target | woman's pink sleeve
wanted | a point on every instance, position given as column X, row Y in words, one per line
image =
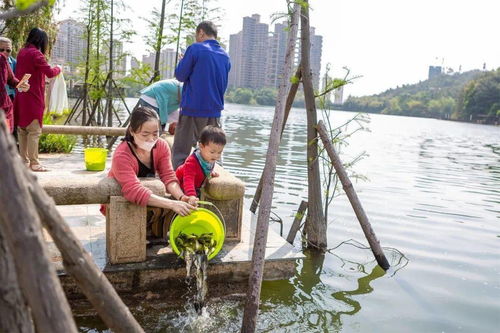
column 44, row 67
column 164, row 165
column 125, row 174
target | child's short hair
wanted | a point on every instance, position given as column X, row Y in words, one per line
column 212, row 134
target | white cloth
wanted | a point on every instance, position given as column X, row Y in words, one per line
column 58, row 97
column 149, row 100
column 173, row 117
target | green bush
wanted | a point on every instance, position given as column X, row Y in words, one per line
column 55, row 143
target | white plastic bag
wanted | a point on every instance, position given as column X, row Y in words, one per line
column 58, row 97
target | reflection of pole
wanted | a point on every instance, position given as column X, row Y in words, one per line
column 353, row 198
column 179, row 35
column 156, row 73
column 110, row 77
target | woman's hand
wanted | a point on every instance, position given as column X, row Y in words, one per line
column 214, row 174
column 182, row 208
column 23, row 87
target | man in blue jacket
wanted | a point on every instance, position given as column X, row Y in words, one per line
column 204, row 70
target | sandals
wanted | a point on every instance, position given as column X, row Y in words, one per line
column 38, row 168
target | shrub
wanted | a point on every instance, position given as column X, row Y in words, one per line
column 55, row 143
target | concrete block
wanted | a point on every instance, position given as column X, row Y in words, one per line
column 232, row 211
column 125, row 231
column 225, row 187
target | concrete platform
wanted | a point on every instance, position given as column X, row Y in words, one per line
column 163, row 269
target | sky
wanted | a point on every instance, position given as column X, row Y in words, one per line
column 387, row 43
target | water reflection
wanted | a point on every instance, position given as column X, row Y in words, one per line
column 363, row 288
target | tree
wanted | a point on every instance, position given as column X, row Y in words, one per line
column 17, row 28
column 481, row 96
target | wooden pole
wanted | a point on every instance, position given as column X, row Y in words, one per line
column 315, row 227
column 15, row 316
column 159, row 42
column 178, row 36
column 109, row 101
column 259, row 247
column 288, row 105
column 79, row 264
column 353, row 198
column 21, row 227
column 296, row 222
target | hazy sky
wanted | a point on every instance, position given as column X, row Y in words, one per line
column 388, row 42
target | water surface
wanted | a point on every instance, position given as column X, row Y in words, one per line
column 433, row 198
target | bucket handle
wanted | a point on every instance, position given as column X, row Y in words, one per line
column 208, row 203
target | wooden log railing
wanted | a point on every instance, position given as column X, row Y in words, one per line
column 83, row 130
column 90, row 190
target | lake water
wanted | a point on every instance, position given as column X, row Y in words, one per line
column 432, row 195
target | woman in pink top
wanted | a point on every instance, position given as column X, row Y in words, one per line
column 141, row 154
column 29, row 106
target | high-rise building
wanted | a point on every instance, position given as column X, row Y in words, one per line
column 258, row 57
column 70, row 44
column 276, row 55
column 249, row 51
column 119, row 58
column 167, row 62
column 315, row 57
column 235, row 54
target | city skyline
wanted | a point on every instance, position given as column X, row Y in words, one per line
column 258, row 54
column 388, row 42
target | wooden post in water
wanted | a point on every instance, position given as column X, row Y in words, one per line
column 353, row 198
column 315, row 227
column 288, row 105
column 21, row 227
column 259, row 247
column 15, row 316
column 296, row 222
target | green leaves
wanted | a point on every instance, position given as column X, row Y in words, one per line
column 25, row 4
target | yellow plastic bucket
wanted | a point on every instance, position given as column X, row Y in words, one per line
column 200, row 221
column 95, row 158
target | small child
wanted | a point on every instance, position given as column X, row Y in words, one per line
column 199, row 166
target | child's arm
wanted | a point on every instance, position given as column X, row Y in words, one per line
column 188, row 181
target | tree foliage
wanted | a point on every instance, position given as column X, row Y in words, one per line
column 455, row 96
column 481, row 96
column 17, row 28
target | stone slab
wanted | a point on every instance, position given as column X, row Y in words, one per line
column 125, row 242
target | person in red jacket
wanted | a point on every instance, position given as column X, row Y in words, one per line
column 199, row 166
column 29, row 106
column 7, row 77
